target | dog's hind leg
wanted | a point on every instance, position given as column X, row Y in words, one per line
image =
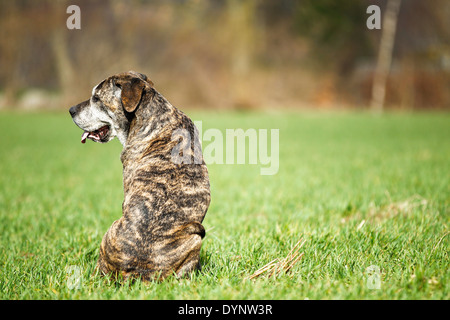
column 188, row 244
column 191, row 259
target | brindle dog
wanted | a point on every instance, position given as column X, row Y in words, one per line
column 160, row 232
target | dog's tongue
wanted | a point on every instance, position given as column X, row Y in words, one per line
column 84, row 136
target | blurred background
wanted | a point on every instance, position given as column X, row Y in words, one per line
column 225, row 54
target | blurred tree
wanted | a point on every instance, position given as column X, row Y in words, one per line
column 385, row 53
column 243, row 36
column 11, row 33
column 336, row 30
column 65, row 68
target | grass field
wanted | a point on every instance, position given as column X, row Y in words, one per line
column 360, row 190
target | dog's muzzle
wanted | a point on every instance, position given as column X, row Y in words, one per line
column 100, row 135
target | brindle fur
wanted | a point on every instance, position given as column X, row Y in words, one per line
column 160, row 232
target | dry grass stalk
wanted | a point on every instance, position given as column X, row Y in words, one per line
column 391, row 210
column 398, row 208
column 278, row 266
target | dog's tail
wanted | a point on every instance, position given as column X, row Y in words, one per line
column 193, row 228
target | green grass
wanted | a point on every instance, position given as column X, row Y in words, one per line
column 361, row 190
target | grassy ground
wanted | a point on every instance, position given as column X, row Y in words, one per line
column 361, row 190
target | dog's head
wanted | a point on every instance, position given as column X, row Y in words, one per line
column 107, row 114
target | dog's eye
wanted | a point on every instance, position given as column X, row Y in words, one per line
column 95, row 99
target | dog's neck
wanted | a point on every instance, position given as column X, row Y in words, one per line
column 151, row 119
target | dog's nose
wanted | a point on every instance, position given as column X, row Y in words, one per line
column 72, row 111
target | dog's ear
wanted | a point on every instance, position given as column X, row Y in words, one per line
column 142, row 76
column 132, row 91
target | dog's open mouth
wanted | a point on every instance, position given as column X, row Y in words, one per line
column 99, row 135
